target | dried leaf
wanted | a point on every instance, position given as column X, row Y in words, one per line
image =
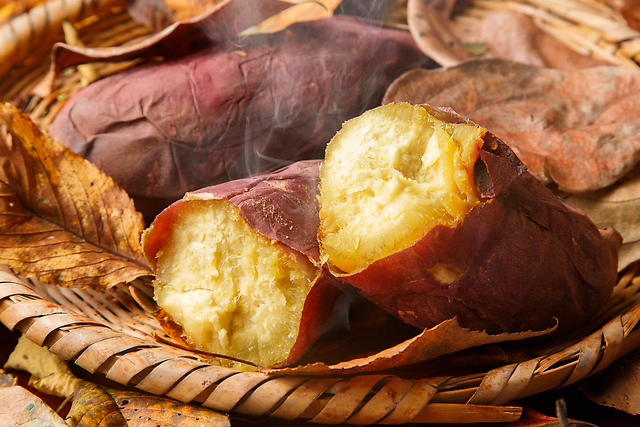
column 450, row 42
column 616, row 386
column 521, row 40
column 617, row 206
column 94, row 405
column 62, row 219
column 434, row 34
column 139, row 409
column 445, row 338
column 36, row 360
column 49, row 373
column 7, row 380
column 302, row 11
column 577, row 128
column 20, row 408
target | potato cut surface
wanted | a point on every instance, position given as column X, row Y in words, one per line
column 232, row 290
column 388, row 177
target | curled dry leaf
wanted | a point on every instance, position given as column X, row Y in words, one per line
column 62, row 218
column 94, row 405
column 617, row 206
column 577, row 128
column 444, row 338
column 449, row 40
column 49, row 373
column 434, row 33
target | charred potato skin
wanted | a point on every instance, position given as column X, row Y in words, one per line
column 521, row 259
column 282, row 206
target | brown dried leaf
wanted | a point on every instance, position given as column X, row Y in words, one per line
column 62, row 218
column 450, row 42
column 616, row 386
column 617, row 206
column 94, row 405
column 7, row 380
column 521, row 40
column 434, row 33
column 38, row 361
column 49, row 373
column 445, row 338
column 139, row 409
column 19, row 408
column 577, row 128
column 216, row 26
column 301, row 11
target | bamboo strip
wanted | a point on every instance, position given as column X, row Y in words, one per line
column 198, row 381
column 303, row 397
column 383, row 402
column 94, row 356
column 26, row 309
column 230, row 391
column 360, row 399
column 74, row 340
column 492, row 385
column 347, row 400
column 267, row 396
column 517, row 382
column 41, row 327
column 410, row 406
column 165, row 375
column 465, row 413
column 129, row 364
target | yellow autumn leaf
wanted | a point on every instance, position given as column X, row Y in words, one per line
column 49, row 373
column 61, row 218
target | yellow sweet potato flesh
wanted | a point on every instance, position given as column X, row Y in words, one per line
column 232, row 290
column 380, row 198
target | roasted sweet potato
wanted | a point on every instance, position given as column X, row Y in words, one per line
column 238, row 268
column 432, row 217
column 230, row 111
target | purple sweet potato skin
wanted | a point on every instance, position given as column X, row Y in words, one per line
column 235, row 110
column 520, row 260
column 282, row 206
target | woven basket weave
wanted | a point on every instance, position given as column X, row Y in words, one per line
column 112, row 333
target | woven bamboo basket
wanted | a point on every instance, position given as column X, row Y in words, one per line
column 112, row 332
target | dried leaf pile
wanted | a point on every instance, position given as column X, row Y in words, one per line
column 573, row 119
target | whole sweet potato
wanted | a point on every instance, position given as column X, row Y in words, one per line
column 234, row 110
column 432, row 217
column 238, row 266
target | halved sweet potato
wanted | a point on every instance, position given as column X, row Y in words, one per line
column 432, row 217
column 237, row 266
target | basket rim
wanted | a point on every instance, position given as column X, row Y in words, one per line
column 127, row 353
